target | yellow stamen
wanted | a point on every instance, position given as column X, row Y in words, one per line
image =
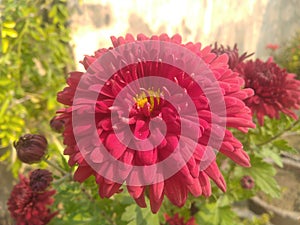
column 142, row 98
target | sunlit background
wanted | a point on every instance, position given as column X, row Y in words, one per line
column 252, row 24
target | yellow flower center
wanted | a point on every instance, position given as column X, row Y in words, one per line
column 148, row 96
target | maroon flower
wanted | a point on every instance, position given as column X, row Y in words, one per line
column 275, row 89
column 176, row 220
column 31, row 148
column 145, row 109
column 233, row 54
column 247, row 182
column 40, row 180
column 28, row 207
column 57, row 125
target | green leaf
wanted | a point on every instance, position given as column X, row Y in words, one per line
column 9, row 24
column 271, row 153
column 5, row 44
column 284, row 146
column 9, row 32
column 263, row 175
column 212, row 214
column 135, row 215
column 4, row 107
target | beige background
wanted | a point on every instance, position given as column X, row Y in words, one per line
column 252, row 24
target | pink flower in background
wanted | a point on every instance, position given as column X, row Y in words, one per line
column 29, row 207
column 272, row 46
column 149, row 105
column 275, row 89
column 176, row 220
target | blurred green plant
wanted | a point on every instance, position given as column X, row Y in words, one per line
column 35, row 58
column 288, row 55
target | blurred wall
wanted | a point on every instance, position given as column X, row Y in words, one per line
column 252, row 24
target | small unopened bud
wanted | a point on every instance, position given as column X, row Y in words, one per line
column 57, row 125
column 31, row 148
column 40, row 180
column 247, row 182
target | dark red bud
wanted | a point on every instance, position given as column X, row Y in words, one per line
column 57, row 125
column 40, row 180
column 31, row 148
column 247, row 182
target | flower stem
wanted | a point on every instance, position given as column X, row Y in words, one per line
column 65, row 177
column 55, row 167
column 279, row 134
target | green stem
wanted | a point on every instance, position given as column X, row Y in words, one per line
column 55, row 167
column 278, row 134
column 65, row 177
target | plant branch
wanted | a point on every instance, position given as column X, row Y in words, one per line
column 279, row 134
column 55, row 167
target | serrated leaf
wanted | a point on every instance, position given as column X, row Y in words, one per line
column 272, row 154
column 129, row 214
column 263, row 175
column 283, row 145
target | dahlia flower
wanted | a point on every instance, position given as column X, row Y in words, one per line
column 233, row 54
column 151, row 113
column 175, row 220
column 28, row 207
column 31, row 148
column 275, row 89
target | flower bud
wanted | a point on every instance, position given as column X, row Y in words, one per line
column 31, row 148
column 57, row 125
column 247, row 182
column 40, row 180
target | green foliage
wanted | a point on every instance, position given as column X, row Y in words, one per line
column 80, row 204
column 134, row 215
column 213, row 214
column 35, row 56
column 288, row 55
column 263, row 174
column 261, row 220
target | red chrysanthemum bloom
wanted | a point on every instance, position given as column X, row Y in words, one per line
column 148, row 105
column 233, row 54
column 275, row 89
column 176, row 220
column 28, row 207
